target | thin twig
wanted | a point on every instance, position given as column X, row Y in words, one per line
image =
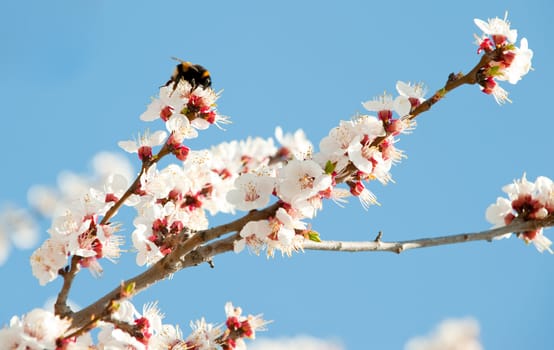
column 60, row 306
column 454, row 81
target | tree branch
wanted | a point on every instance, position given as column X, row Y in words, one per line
column 175, row 259
column 151, row 276
column 190, row 253
column 399, row 247
column 207, row 252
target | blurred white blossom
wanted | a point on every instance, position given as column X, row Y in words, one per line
column 450, row 334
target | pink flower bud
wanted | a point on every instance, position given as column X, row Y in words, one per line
column 144, row 152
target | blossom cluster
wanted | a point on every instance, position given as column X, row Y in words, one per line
column 357, row 150
column 127, row 328
column 78, row 232
column 172, row 202
column 228, row 336
column 526, row 201
column 80, row 229
column 510, row 63
column 130, row 329
column 239, row 327
column 76, row 209
column 185, row 110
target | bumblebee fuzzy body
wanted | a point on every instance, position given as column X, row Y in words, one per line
column 195, row 74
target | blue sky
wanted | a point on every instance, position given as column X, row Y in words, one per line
column 76, row 76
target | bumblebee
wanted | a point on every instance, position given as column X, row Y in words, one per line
column 195, row 74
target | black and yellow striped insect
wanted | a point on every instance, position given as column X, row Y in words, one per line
column 195, row 74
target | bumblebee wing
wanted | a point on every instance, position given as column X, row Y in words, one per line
column 177, row 59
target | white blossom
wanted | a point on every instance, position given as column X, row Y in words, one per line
column 251, row 191
column 36, row 330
